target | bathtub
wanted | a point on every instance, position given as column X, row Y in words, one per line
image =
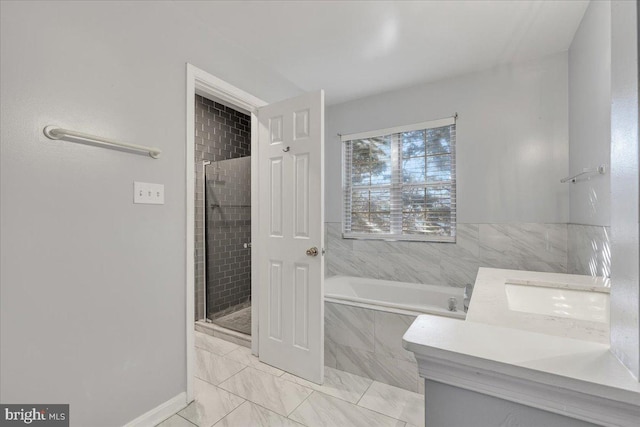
column 395, row 297
column 365, row 320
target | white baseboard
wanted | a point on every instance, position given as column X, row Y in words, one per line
column 160, row 412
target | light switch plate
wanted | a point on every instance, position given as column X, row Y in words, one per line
column 148, row 193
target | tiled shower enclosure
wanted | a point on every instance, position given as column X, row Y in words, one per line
column 221, row 134
column 228, row 217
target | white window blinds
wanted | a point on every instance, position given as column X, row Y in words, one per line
column 400, row 183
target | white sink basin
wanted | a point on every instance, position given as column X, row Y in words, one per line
column 567, row 303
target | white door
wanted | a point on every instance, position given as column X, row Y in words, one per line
column 291, row 235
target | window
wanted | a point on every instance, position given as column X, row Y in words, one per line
column 400, row 183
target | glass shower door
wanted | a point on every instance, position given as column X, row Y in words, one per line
column 228, row 234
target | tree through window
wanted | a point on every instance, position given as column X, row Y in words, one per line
column 400, row 183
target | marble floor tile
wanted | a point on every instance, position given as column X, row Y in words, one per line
column 340, row 384
column 232, row 337
column 213, row 368
column 266, row 390
column 394, row 402
column 251, row 415
column 243, row 355
column 175, row 421
column 321, row 410
column 210, row 405
column 348, row 325
column 213, row 344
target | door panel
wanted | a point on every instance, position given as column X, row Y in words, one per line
column 301, row 194
column 301, row 307
column 275, row 201
column 291, row 156
column 275, row 300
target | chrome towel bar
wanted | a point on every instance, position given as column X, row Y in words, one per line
column 602, row 169
column 54, row 132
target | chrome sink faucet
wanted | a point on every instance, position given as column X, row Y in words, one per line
column 468, row 291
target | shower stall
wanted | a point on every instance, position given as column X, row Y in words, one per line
column 222, row 233
column 227, row 200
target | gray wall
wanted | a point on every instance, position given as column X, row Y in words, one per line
column 589, row 233
column 512, row 138
column 512, row 149
column 92, row 304
column 625, row 274
column 220, row 133
column 590, row 115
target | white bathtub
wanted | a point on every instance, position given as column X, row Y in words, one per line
column 397, row 297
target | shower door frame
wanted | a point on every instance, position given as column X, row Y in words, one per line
column 202, row 83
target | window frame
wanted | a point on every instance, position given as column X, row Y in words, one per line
column 396, row 185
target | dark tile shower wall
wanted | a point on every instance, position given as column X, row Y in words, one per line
column 229, row 228
column 221, row 133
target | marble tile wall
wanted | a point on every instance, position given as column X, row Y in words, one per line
column 525, row 246
column 589, row 250
column 369, row 343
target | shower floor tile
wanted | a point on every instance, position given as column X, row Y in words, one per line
column 237, row 321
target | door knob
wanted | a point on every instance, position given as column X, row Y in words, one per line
column 312, row 251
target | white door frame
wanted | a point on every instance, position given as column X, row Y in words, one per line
column 203, row 83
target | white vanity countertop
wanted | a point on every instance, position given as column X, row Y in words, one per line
column 489, row 304
column 578, row 365
column 561, row 353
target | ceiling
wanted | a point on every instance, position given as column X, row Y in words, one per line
column 354, row 49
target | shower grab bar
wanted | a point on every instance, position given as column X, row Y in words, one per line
column 600, row 170
column 54, row 132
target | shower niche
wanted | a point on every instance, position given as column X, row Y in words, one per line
column 223, row 216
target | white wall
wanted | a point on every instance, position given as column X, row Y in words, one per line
column 590, row 115
column 512, row 138
column 625, row 188
column 92, row 287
